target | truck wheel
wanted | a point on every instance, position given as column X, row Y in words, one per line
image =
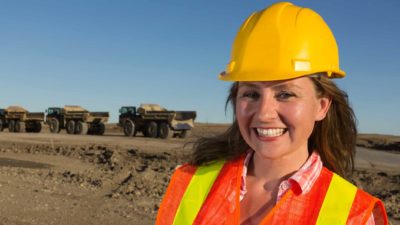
column 81, row 127
column 129, row 128
column 164, row 132
column 100, row 129
column 37, row 128
column 78, row 127
column 30, row 127
column 54, row 126
column 70, row 127
column 151, row 129
column 85, row 128
column 19, row 126
column 1, row 125
column 11, row 126
column 184, row 134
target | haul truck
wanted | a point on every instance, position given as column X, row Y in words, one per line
column 155, row 121
column 76, row 120
column 18, row 119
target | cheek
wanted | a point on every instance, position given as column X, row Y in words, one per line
column 243, row 110
column 243, row 115
column 301, row 115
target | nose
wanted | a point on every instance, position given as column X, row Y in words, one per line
column 267, row 109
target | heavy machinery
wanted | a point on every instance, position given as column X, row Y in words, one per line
column 76, row 120
column 18, row 119
column 155, row 121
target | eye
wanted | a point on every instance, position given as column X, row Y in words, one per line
column 284, row 95
column 252, row 95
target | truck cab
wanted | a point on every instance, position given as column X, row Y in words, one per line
column 131, row 110
column 54, row 112
column 127, row 114
column 55, row 119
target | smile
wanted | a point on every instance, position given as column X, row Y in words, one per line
column 275, row 132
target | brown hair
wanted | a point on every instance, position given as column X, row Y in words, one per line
column 334, row 137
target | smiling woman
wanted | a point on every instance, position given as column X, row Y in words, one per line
column 292, row 139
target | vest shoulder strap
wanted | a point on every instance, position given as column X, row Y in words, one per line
column 180, row 179
column 338, row 202
column 196, row 192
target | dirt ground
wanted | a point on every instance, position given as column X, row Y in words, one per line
column 81, row 179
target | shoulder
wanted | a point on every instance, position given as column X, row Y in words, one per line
column 189, row 170
column 363, row 204
column 339, row 182
column 185, row 168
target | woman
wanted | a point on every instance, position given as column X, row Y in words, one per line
column 292, row 138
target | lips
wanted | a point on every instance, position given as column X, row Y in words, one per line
column 270, row 132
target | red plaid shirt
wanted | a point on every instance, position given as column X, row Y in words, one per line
column 304, row 178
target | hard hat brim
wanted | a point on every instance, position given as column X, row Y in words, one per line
column 274, row 77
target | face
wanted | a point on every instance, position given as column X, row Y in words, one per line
column 276, row 118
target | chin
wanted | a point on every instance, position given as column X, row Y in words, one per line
column 269, row 152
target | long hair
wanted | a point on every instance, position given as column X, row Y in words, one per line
column 334, row 137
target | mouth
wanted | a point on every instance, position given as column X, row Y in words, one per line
column 270, row 132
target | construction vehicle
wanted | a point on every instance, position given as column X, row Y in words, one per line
column 76, row 120
column 155, row 121
column 18, row 119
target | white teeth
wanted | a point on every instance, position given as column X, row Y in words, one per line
column 270, row 132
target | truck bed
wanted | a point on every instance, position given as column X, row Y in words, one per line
column 88, row 116
column 100, row 114
column 157, row 115
column 38, row 116
column 169, row 115
column 30, row 116
column 185, row 115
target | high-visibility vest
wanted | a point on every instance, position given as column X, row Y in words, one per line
column 209, row 195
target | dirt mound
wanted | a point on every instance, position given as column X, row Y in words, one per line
column 131, row 181
column 381, row 142
column 374, row 181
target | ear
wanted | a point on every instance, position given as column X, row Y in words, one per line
column 324, row 105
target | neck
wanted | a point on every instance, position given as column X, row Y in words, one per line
column 276, row 169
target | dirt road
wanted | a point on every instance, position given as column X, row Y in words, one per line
column 79, row 179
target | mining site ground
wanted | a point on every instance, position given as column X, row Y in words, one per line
column 50, row 178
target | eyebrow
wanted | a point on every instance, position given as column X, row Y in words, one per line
column 248, row 84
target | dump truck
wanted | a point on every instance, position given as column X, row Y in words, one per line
column 76, row 120
column 155, row 121
column 18, row 119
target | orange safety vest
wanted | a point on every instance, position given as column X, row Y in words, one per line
column 209, row 195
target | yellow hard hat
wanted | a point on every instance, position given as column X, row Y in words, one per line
column 283, row 41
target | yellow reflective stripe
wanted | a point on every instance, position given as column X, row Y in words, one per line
column 337, row 203
column 196, row 193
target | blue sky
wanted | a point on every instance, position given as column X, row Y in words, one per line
column 105, row 54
